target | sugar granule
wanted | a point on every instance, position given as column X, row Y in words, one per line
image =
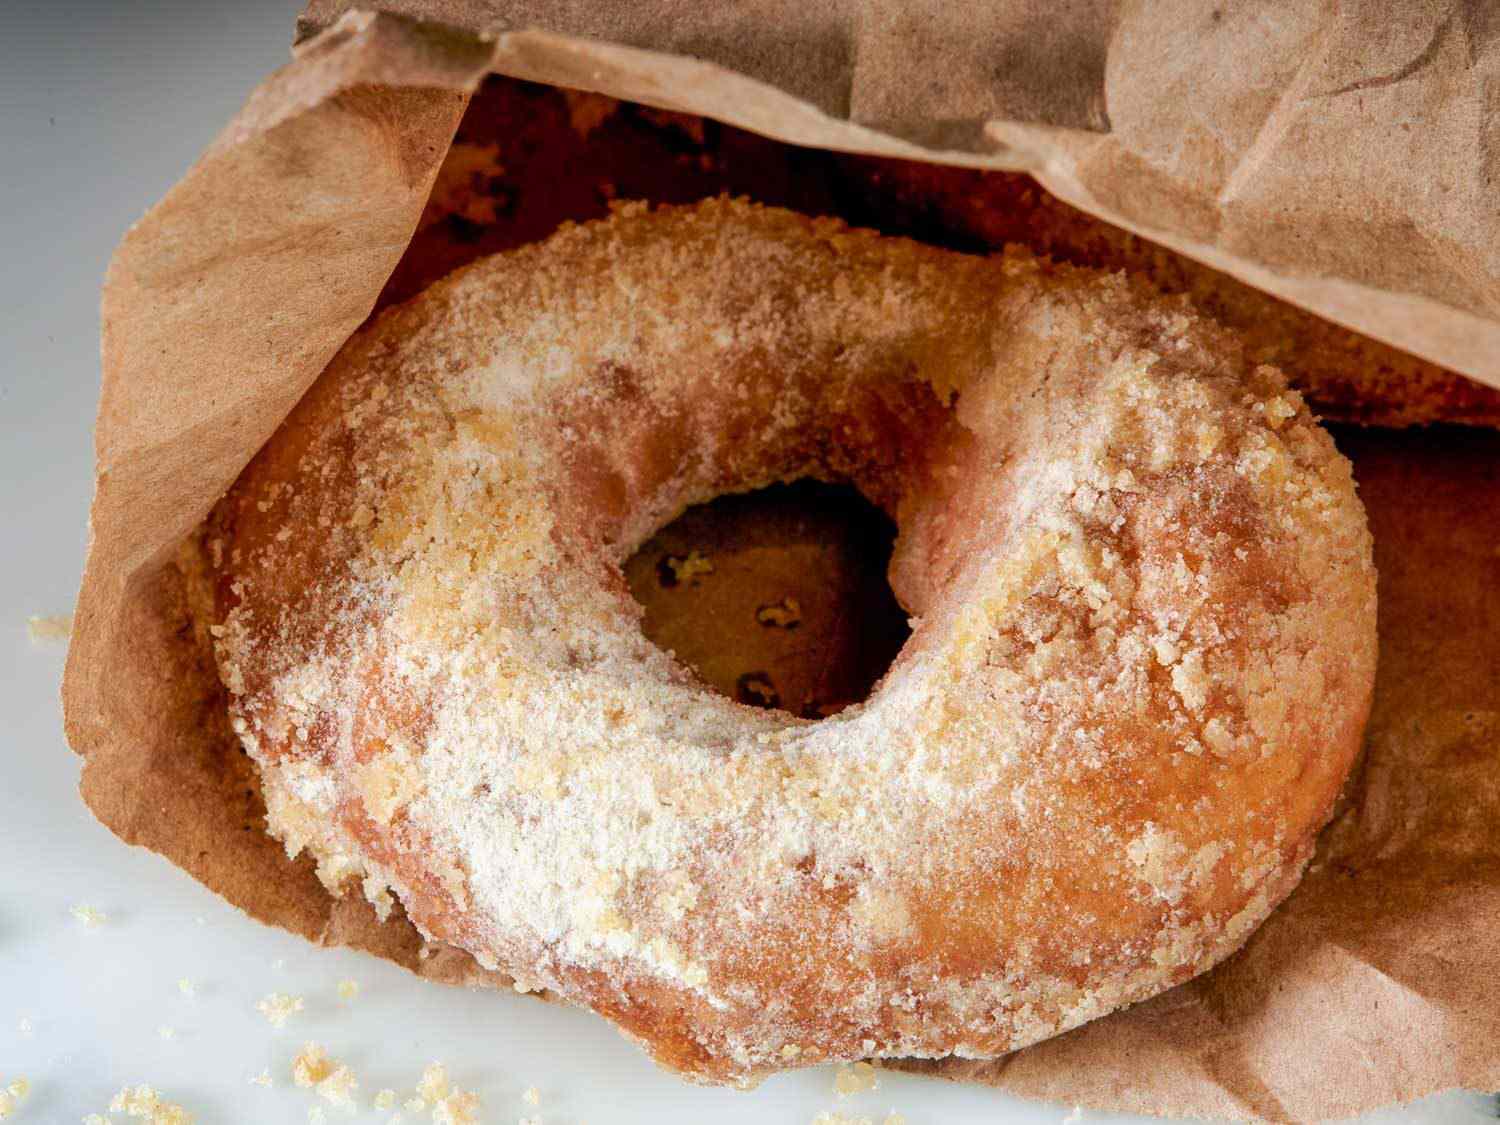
column 89, row 916
column 855, row 1079
column 434, row 1084
column 278, row 1008
column 338, row 1087
column 312, row 1065
column 49, row 628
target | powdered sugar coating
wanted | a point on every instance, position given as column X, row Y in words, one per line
column 1143, row 645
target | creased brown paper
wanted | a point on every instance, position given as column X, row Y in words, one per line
column 1373, row 983
column 1343, row 157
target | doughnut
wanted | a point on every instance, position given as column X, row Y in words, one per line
column 1143, row 637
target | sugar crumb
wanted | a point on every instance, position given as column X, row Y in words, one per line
column 144, row 1102
column 166, row 1031
column 312, row 1065
column 385, row 1099
column 531, row 1096
column 338, row 1088
column 686, row 568
column 50, row 629
column 25, row 1026
column 89, row 916
column 262, row 1079
column 12, row 1096
column 785, row 614
column 459, row 1108
column 187, row 987
column 855, row 1079
column 434, row 1084
column 1075, row 1115
column 278, row 1008
column 449, row 1106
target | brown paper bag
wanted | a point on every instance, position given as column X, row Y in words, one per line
column 227, row 300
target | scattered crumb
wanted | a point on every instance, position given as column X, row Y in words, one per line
column 187, row 987
column 348, row 989
column 278, row 1008
column 894, row 1118
column 202, row 921
column 315, row 1115
column 449, row 1106
column 1075, row 1115
column 531, row 1096
column 89, row 916
column 96, row 1119
column 834, row 1117
column 44, row 630
column 166, row 1031
column 685, row 569
column 756, row 689
column 459, row 1108
column 279, row 964
column 434, row 1084
column 144, row 1102
column 386, row 1099
column 262, row 1079
column 338, row 1088
column 785, row 614
column 25, row 1026
column 855, row 1079
column 11, row 1096
column 528, row 1121
column 312, row 1065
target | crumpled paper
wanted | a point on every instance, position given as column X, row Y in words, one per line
column 227, row 299
column 1340, row 156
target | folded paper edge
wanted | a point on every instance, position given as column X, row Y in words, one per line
column 361, row 49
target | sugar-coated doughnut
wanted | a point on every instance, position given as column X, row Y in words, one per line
column 1143, row 641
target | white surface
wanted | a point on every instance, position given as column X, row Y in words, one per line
column 101, row 109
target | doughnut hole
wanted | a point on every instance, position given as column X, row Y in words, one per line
column 776, row 598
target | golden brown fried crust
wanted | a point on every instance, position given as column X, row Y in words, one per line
column 1142, row 652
